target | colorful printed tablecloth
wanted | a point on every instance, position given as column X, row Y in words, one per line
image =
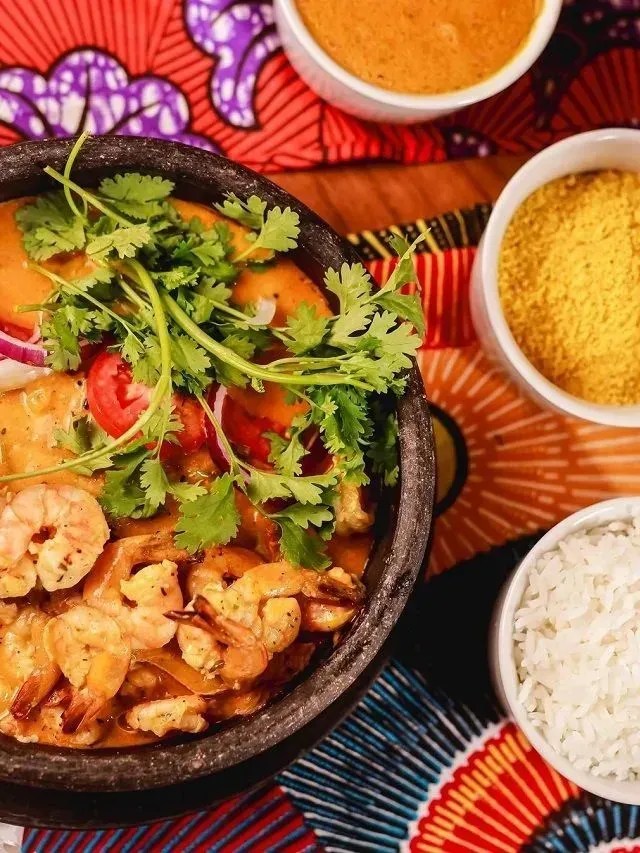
column 427, row 762
column 211, row 72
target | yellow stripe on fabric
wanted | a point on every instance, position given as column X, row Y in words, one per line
column 375, row 243
column 464, row 233
column 445, row 227
column 430, row 240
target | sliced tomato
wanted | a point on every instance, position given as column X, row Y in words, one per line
column 18, row 332
column 245, row 432
column 190, row 412
column 116, row 402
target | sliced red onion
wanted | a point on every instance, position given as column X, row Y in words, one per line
column 265, row 312
column 22, row 351
column 219, row 397
column 35, row 335
column 15, row 374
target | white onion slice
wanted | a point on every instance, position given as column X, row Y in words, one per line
column 15, row 374
column 218, row 403
column 265, row 312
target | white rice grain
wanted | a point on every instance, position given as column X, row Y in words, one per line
column 577, row 649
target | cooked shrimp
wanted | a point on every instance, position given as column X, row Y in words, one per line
column 222, row 646
column 8, row 613
column 178, row 714
column 254, row 618
column 200, row 649
column 351, row 516
column 323, row 617
column 281, row 619
column 89, row 648
column 153, row 590
column 54, row 533
column 24, row 663
column 49, row 728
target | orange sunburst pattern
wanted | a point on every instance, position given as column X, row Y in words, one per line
column 526, row 468
column 494, row 802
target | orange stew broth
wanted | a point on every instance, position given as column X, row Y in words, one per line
column 30, row 416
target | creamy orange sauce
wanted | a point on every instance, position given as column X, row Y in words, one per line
column 420, row 47
column 29, row 418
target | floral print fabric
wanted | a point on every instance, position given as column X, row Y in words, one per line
column 211, row 73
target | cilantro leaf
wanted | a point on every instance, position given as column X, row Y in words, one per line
column 305, row 329
column 177, row 277
column 136, row 195
column 404, row 271
column 123, row 495
column 154, row 481
column 286, row 454
column 279, row 232
column 352, row 285
column 249, row 213
column 301, row 547
column 49, row 227
column 383, row 451
column 83, row 436
column 274, row 230
column 61, row 343
column 264, row 486
column 405, row 306
column 124, row 240
column 210, row 519
column 190, row 364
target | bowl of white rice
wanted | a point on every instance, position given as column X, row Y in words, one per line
column 565, row 648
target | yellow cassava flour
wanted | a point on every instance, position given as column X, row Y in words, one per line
column 569, row 281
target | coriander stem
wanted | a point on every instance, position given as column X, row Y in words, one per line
column 63, row 282
column 160, row 392
column 233, row 312
column 67, row 173
column 133, row 296
column 256, row 371
column 87, row 196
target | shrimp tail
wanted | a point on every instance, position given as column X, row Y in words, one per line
column 34, row 691
column 80, row 711
column 337, row 591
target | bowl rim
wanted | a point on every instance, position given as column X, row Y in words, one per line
column 537, row 40
column 108, row 770
column 489, row 255
column 596, row 515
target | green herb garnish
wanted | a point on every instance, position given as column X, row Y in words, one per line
column 161, row 295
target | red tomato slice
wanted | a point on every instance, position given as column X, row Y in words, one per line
column 190, row 412
column 245, row 432
column 18, row 332
column 116, row 402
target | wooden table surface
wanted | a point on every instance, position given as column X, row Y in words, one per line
column 354, row 198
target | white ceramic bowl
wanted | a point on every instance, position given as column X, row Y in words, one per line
column 613, row 148
column 337, row 86
column 501, row 657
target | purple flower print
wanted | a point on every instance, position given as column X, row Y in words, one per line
column 241, row 36
column 90, row 90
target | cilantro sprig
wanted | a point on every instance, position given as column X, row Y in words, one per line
column 159, row 290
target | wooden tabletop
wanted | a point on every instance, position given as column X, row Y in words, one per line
column 354, row 198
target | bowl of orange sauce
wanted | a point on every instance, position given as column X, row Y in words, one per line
column 405, row 62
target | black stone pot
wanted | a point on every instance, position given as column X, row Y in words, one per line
column 46, row 786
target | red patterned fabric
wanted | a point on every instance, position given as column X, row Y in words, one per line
column 211, row 73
